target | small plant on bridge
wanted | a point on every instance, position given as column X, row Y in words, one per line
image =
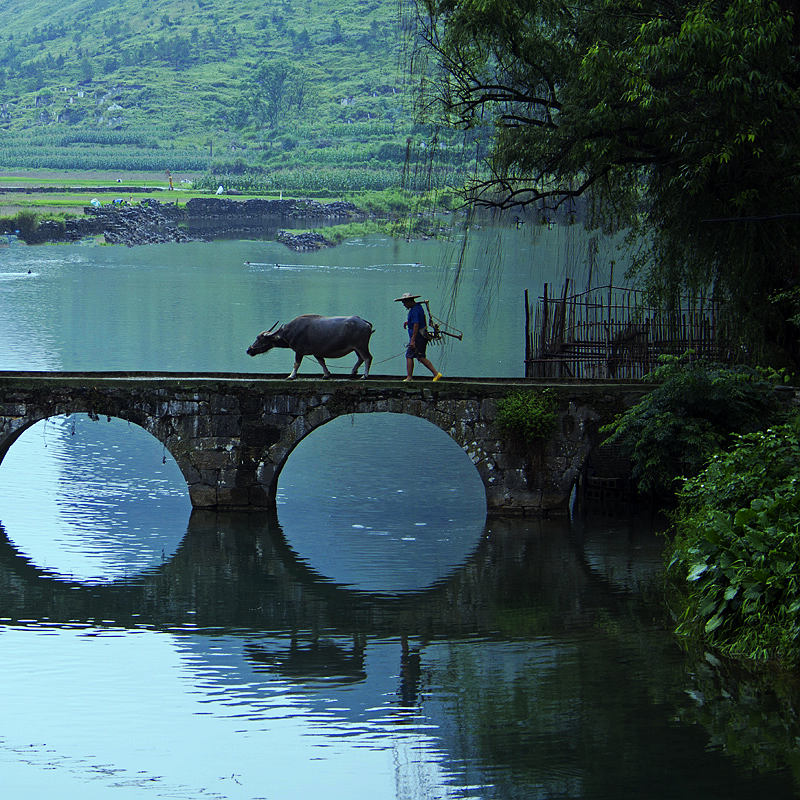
column 530, row 415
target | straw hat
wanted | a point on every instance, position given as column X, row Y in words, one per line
column 406, row 296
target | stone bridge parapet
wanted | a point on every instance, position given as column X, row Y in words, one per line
column 231, row 434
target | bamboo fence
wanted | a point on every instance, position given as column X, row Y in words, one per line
column 611, row 333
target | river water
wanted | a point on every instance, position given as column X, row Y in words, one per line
column 377, row 637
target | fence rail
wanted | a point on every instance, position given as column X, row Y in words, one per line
column 611, row 332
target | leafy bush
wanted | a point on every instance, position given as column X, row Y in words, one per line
column 528, row 415
column 27, row 223
column 691, row 414
column 735, row 558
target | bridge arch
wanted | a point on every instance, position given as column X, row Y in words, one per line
column 10, row 431
column 510, row 480
column 292, row 438
column 75, row 492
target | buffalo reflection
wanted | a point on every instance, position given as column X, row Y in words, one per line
column 317, row 659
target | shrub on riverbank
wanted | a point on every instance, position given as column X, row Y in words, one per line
column 24, row 224
column 692, row 413
column 735, row 558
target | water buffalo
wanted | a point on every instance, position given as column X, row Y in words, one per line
column 321, row 337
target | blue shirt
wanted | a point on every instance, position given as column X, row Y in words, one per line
column 416, row 314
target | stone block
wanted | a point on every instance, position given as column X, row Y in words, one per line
column 299, row 428
column 258, row 434
column 190, row 473
column 191, row 426
column 277, row 404
column 318, row 417
column 234, row 497
column 178, row 407
column 223, row 404
column 229, row 478
column 225, row 425
column 211, row 459
column 209, row 476
column 203, row 495
column 265, row 473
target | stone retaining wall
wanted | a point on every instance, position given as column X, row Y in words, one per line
column 152, row 222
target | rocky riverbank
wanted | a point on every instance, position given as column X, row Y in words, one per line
column 303, row 241
column 200, row 219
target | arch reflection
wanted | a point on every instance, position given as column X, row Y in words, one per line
column 381, row 503
column 92, row 500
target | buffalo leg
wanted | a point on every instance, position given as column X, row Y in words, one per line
column 358, row 363
column 367, row 363
column 297, row 361
column 325, row 371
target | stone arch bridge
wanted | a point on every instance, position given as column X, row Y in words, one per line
column 231, row 434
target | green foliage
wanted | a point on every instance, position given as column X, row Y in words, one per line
column 530, row 416
column 736, row 554
column 689, row 415
column 350, row 230
column 678, row 122
column 27, row 223
column 308, row 96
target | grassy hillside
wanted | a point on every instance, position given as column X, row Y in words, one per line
column 299, row 95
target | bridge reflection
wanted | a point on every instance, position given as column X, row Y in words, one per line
column 266, row 637
column 235, row 570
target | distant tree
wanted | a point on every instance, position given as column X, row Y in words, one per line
column 272, row 90
column 335, row 36
column 31, row 75
column 677, row 120
column 302, row 89
column 86, row 69
column 302, row 41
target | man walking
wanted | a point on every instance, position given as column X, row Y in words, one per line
column 417, row 336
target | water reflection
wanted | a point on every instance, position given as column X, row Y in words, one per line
column 381, row 503
column 474, row 659
column 92, row 500
column 623, row 551
column 528, row 673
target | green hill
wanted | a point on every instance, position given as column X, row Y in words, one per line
column 301, row 95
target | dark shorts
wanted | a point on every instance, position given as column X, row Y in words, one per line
column 418, row 351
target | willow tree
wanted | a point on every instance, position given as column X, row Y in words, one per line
column 678, row 120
